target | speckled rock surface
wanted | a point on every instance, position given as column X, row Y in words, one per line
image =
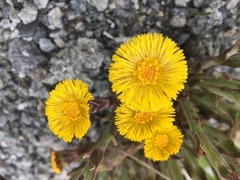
column 43, row 42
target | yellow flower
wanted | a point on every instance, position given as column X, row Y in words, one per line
column 55, row 162
column 138, row 125
column 165, row 142
column 146, row 70
column 60, row 159
column 67, row 110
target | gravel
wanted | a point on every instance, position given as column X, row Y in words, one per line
column 28, row 14
column 43, row 42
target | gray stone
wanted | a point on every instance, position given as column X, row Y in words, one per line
column 13, row 16
column 71, row 14
column 46, row 45
column 101, row 5
column 80, row 61
column 55, row 18
column 155, row 4
column 41, row 4
column 40, row 33
column 200, row 25
column 80, row 26
column 9, row 2
column 5, row 8
column 59, row 42
column 24, row 56
column 28, row 14
column 38, row 90
column 1, row 84
column 78, row 5
column 3, row 121
column 216, row 16
column 58, row 33
column 25, row 119
column 28, row 30
column 198, row 3
column 178, row 17
column 5, row 23
column 181, row 3
column 93, row 57
column 102, row 88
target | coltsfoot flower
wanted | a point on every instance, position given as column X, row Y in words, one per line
column 138, row 125
column 56, row 167
column 147, row 71
column 164, row 143
column 67, row 110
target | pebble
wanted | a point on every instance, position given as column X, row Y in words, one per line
column 55, row 18
column 199, row 25
column 5, row 8
column 28, row 14
column 13, row 16
column 41, row 4
column 40, row 33
column 1, row 84
column 198, row 3
column 46, row 45
column 58, row 33
column 81, row 60
column 28, row 30
column 5, row 24
column 37, row 90
column 80, row 26
column 181, row 3
column 24, row 56
column 217, row 17
column 3, row 121
column 78, row 5
column 9, row 2
column 232, row 4
column 178, row 17
column 59, row 42
column 101, row 5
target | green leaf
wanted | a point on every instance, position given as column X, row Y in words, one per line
column 216, row 159
column 175, row 169
column 224, row 57
column 88, row 172
column 80, row 172
column 233, row 62
column 202, row 161
column 221, row 87
column 221, row 83
column 223, row 142
column 191, row 164
column 221, row 110
column 97, row 155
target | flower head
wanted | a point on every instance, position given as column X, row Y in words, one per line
column 138, row 125
column 163, row 143
column 56, row 166
column 60, row 159
column 67, row 109
column 148, row 71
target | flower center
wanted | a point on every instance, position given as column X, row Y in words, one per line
column 143, row 117
column 148, row 71
column 72, row 109
column 161, row 140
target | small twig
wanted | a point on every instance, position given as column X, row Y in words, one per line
column 145, row 165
